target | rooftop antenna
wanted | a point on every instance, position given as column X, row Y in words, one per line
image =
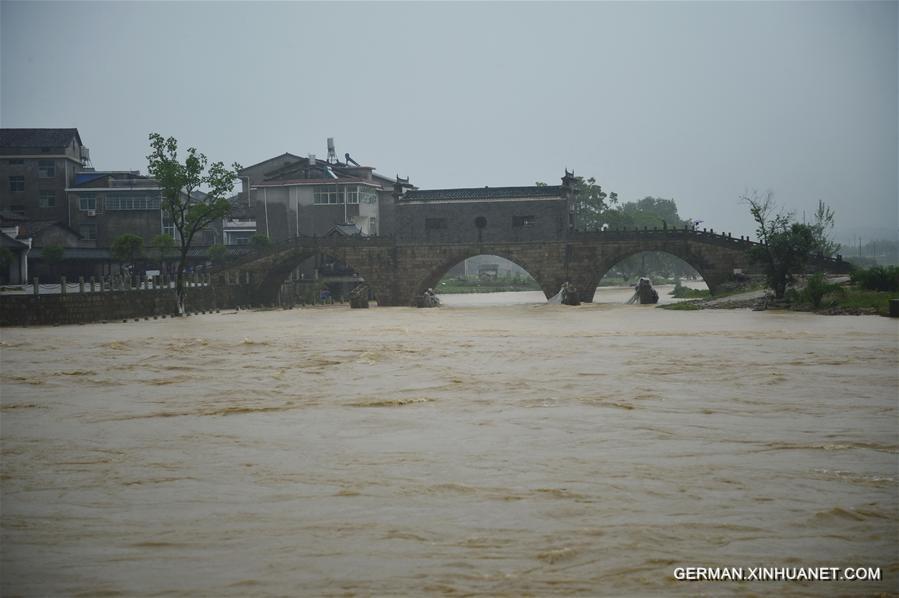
column 332, row 155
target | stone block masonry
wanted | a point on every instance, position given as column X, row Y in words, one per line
column 83, row 308
column 398, row 271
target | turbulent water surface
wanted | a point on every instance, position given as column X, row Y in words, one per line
column 472, row 449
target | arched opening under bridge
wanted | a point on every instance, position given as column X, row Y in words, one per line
column 485, row 279
column 306, row 277
column 672, row 277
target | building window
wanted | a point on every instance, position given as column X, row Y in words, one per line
column 87, row 201
column 168, row 228
column 368, row 195
column 326, row 195
column 17, row 209
column 47, row 199
column 435, row 223
column 131, row 201
column 46, row 169
column 16, row 183
column 88, row 232
column 519, row 221
column 241, row 237
column 16, row 162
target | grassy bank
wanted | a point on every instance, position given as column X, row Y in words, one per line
column 848, row 300
column 852, row 300
column 451, row 286
column 682, row 292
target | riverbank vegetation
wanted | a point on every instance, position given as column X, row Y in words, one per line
column 473, row 284
column 682, row 292
column 867, row 292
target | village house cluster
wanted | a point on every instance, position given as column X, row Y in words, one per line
column 52, row 195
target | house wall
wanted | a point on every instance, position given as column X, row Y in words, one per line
column 27, row 201
column 276, row 213
column 113, row 223
column 386, row 213
column 551, row 216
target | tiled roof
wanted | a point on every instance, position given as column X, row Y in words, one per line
column 10, row 216
column 7, row 241
column 33, row 227
column 86, row 177
column 346, row 230
column 37, row 137
column 340, row 181
column 284, row 155
column 115, row 179
column 483, row 193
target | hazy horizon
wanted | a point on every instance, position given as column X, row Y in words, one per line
column 693, row 101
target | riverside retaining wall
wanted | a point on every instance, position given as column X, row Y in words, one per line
column 81, row 308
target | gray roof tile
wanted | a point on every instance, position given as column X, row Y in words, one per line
column 37, row 137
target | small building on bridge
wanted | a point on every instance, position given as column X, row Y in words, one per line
column 485, row 214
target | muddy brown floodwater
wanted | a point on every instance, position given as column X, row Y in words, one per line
column 472, row 449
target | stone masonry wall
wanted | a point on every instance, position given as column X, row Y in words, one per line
column 82, row 308
column 548, row 220
column 397, row 272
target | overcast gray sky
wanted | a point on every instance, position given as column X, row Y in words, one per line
column 695, row 101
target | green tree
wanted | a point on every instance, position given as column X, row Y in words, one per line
column 592, row 204
column 127, row 248
column 52, row 256
column 188, row 213
column 217, row 253
column 822, row 229
column 163, row 245
column 651, row 212
column 260, row 241
column 877, row 278
column 785, row 244
column 816, row 287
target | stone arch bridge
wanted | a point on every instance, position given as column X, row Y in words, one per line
column 398, row 271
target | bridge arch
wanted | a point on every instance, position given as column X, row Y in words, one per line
column 282, row 265
column 712, row 275
column 439, row 268
column 678, row 266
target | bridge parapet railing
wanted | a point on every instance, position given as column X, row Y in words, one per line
column 303, row 242
column 625, row 233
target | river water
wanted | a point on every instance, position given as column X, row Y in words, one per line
column 478, row 448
